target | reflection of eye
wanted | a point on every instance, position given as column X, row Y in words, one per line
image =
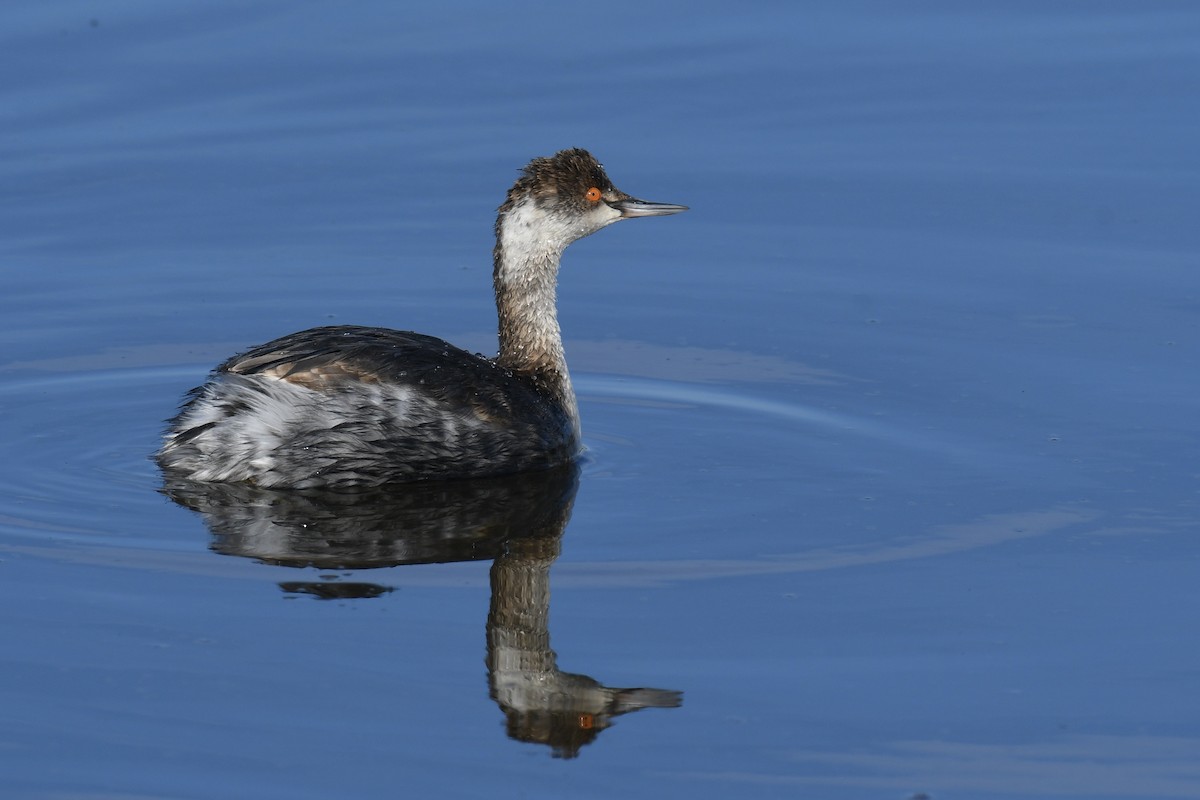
column 593, row 195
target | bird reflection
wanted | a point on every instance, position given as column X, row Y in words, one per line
column 516, row 521
column 541, row 703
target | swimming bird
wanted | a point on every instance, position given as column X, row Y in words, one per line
column 348, row 406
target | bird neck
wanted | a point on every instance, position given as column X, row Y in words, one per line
column 526, row 284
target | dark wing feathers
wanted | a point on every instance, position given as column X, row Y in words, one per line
column 334, row 357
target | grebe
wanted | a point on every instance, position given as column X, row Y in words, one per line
column 346, row 406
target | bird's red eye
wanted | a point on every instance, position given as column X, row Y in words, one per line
column 593, row 195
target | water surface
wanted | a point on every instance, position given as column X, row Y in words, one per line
column 891, row 481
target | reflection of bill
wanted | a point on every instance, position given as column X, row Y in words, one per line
column 516, row 521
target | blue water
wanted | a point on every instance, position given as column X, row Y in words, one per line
column 891, row 439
